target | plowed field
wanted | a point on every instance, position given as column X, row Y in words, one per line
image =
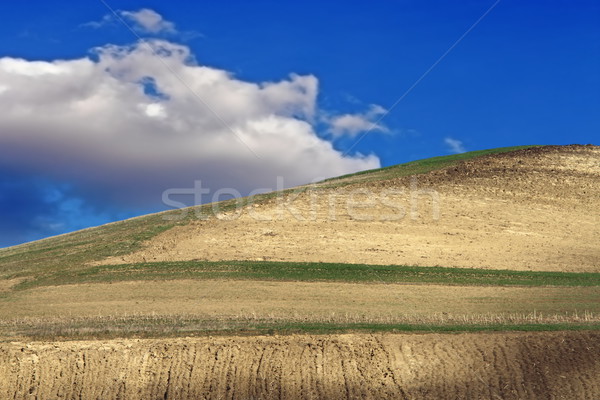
column 465, row 366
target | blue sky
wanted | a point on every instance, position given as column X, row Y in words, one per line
column 96, row 124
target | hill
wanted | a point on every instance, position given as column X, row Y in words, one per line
column 532, row 209
column 499, row 245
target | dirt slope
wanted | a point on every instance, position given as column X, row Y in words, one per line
column 533, row 209
column 467, row 366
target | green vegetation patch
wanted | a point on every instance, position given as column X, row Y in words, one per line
column 159, row 328
column 310, row 272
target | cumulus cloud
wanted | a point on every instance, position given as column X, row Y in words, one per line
column 148, row 21
column 455, row 146
column 353, row 124
column 132, row 121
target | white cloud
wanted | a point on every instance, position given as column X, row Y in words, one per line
column 32, row 68
column 107, row 19
column 148, row 21
column 155, row 110
column 353, row 124
column 90, row 123
column 454, row 145
column 144, row 20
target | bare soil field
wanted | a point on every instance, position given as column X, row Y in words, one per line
column 534, row 209
column 350, row 366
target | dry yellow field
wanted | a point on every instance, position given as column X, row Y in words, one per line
column 300, row 300
column 175, row 307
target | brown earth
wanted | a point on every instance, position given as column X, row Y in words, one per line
column 393, row 366
column 533, row 209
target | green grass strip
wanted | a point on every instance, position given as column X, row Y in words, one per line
column 310, row 272
column 68, row 333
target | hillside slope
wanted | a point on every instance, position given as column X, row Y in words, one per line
column 144, row 308
column 74, row 250
column 530, row 209
column 525, row 220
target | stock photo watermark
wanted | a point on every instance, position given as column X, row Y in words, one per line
column 306, row 203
